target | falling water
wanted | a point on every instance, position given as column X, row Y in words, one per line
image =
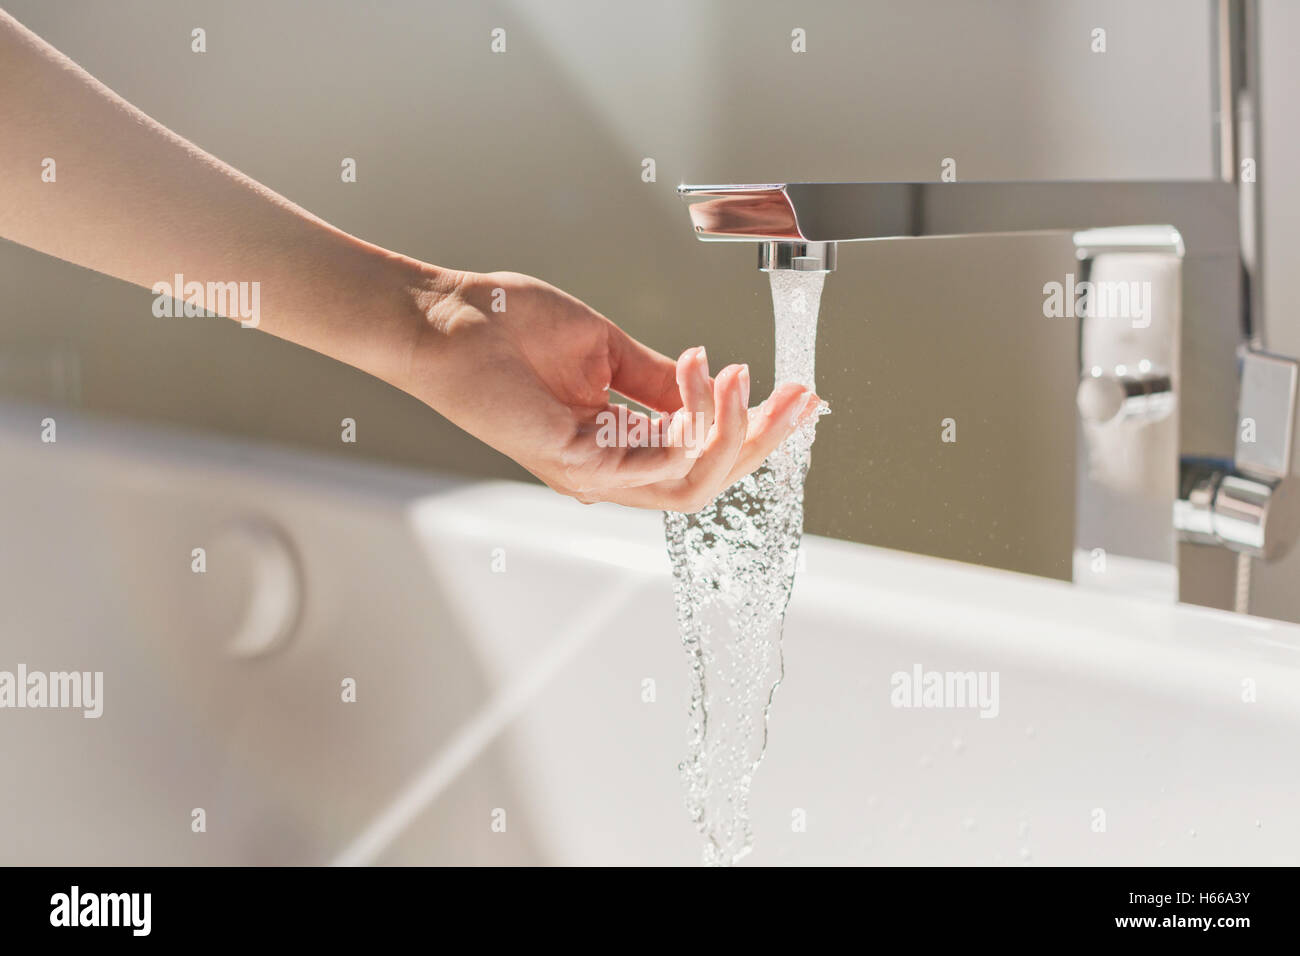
column 733, row 569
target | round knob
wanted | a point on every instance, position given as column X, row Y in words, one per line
column 1146, row 396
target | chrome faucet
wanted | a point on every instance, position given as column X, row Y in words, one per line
column 1235, row 403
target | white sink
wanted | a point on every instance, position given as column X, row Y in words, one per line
column 1126, row 730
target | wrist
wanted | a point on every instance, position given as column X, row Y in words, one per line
column 431, row 302
column 388, row 317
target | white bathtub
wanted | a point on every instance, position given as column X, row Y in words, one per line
column 1122, row 735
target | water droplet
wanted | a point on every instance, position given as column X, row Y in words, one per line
column 1023, row 829
column 958, row 745
column 1024, row 853
column 968, row 824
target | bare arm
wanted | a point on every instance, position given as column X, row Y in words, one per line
column 136, row 201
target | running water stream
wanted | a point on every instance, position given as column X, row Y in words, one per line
column 733, row 570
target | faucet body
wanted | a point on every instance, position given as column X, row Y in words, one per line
column 1234, row 405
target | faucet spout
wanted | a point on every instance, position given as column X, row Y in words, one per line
column 799, row 225
column 1204, row 212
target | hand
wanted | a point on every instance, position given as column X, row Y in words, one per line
column 534, row 382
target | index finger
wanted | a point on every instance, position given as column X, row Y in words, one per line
column 642, row 374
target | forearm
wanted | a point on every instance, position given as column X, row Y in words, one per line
column 133, row 200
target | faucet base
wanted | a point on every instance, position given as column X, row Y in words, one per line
column 796, row 256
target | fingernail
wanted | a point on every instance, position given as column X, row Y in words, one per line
column 810, row 402
column 703, row 357
column 744, row 385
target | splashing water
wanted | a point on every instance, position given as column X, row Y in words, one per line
column 733, row 570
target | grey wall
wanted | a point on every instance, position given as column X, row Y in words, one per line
column 531, row 161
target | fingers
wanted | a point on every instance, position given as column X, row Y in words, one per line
column 689, row 427
column 680, row 441
column 762, row 430
column 770, row 424
column 641, row 373
column 711, row 440
column 708, row 476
